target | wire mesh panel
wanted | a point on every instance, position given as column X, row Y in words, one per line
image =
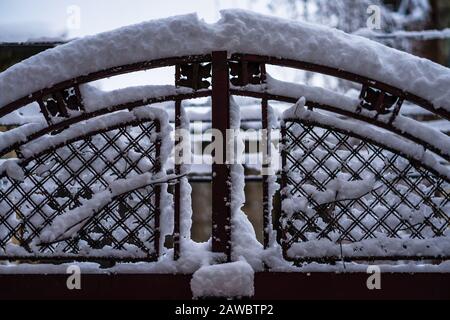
column 64, row 178
column 345, row 197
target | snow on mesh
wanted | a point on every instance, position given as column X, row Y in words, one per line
column 379, row 247
column 103, row 122
column 340, row 188
column 413, row 150
column 236, row 31
column 69, row 223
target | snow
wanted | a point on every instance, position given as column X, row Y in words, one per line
column 12, row 169
column 336, row 190
column 236, row 31
column 410, row 149
column 83, row 128
column 185, row 189
column 317, row 95
column 416, row 35
column 27, row 114
column 243, row 236
column 95, row 99
column 379, row 247
column 225, row 280
column 167, row 266
column 19, row 134
column 69, row 223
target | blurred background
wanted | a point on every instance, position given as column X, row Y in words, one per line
column 27, row 27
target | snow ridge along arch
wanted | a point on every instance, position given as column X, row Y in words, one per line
column 237, row 31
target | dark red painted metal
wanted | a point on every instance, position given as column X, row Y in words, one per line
column 177, row 200
column 268, row 286
column 157, row 169
column 266, row 153
column 266, row 144
column 221, row 197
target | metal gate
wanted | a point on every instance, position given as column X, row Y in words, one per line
column 82, row 161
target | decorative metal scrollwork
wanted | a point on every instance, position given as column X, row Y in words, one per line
column 382, row 102
column 194, row 75
column 244, row 73
column 60, row 103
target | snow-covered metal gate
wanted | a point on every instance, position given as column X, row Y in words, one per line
column 359, row 181
column 68, row 160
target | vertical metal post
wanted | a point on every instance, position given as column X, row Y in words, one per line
column 157, row 190
column 177, row 191
column 177, row 195
column 221, row 192
column 265, row 143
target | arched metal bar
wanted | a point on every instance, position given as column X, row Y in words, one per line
column 85, row 116
column 338, row 73
column 52, row 148
column 114, row 71
column 172, row 61
column 205, row 93
column 357, row 116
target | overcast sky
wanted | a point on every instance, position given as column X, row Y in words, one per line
column 25, row 20
column 21, row 20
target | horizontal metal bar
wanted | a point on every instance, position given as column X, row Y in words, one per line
column 268, row 286
column 336, row 259
column 76, row 258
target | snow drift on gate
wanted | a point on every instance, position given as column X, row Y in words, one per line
column 236, row 31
